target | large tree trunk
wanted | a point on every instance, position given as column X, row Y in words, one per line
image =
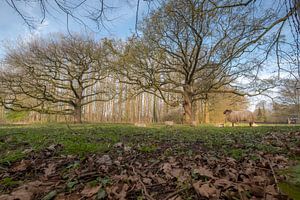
column 77, row 114
column 188, row 106
column 78, row 108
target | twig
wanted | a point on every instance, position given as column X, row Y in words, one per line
column 152, row 165
column 3, row 168
column 145, row 190
column 273, row 172
column 174, row 193
column 148, row 196
column 155, row 185
column 239, row 191
column 87, row 174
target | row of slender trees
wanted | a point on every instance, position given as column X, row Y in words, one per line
column 188, row 51
column 143, row 108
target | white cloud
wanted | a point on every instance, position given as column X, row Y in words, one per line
column 40, row 29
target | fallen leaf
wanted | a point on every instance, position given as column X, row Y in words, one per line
column 118, row 145
column 127, row 148
column 203, row 172
column 54, row 147
column 231, row 161
column 166, row 167
column 25, row 192
column 259, row 180
column 104, row 160
column 280, row 159
column 257, row 191
column 249, row 171
column 50, row 169
column 147, row 181
column 176, row 198
column 116, row 162
column 90, row 191
column 116, row 193
column 205, row 190
column 22, row 166
column 159, row 180
column 6, row 197
column 224, row 183
column 270, row 189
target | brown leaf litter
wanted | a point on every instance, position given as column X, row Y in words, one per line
column 122, row 174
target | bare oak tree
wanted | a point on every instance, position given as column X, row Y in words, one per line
column 194, row 48
column 58, row 75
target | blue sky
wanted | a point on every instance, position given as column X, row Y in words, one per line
column 12, row 27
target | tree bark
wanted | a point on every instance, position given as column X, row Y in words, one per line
column 78, row 107
column 188, row 105
column 77, row 114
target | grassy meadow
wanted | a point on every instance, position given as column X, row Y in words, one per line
column 16, row 140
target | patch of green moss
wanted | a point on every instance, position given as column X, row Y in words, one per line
column 147, row 148
column 236, row 153
column 8, row 182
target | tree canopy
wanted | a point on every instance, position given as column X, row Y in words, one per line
column 60, row 74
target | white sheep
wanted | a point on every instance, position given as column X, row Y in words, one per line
column 239, row 116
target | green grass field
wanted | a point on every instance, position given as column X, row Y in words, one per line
column 92, row 138
column 240, row 143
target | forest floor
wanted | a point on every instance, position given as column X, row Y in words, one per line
column 110, row 161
